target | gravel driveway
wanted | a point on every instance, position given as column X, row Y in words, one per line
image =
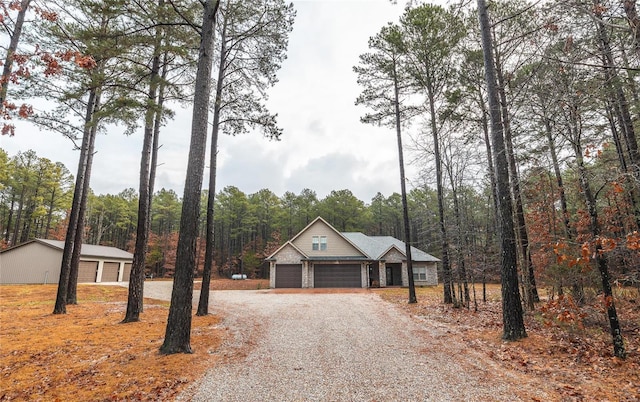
column 337, row 347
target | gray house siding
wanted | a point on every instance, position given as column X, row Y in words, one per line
column 337, row 246
column 34, row 263
column 39, row 261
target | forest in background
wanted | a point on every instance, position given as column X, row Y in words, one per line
column 35, row 196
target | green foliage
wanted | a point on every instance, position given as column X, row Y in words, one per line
column 34, row 196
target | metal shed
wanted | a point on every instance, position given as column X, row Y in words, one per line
column 39, row 260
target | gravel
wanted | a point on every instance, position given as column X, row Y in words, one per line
column 340, row 347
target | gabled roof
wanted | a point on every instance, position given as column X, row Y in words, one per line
column 377, row 246
column 87, row 250
column 289, row 243
column 305, row 229
column 372, row 247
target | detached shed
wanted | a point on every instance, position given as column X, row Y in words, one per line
column 39, row 260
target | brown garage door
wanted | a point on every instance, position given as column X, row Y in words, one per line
column 110, row 272
column 288, row 275
column 87, row 271
column 337, row 276
column 127, row 272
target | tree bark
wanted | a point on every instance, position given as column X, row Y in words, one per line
column 446, row 265
column 514, row 179
column 65, row 266
column 178, row 331
column 50, row 213
column 620, row 104
column 403, row 188
column 135, row 297
column 203, row 302
column 72, row 288
column 11, row 50
column 513, row 322
column 600, row 256
column 634, row 22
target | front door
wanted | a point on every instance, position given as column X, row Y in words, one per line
column 389, row 276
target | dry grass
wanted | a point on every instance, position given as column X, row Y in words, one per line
column 572, row 358
column 230, row 284
column 87, row 354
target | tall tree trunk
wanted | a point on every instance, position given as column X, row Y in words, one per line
column 11, row 50
column 16, row 229
column 600, row 256
column 462, row 271
column 65, row 266
column 135, row 298
column 512, row 318
column 178, row 331
column 7, row 233
column 156, row 135
column 50, row 213
column 446, row 265
column 403, row 188
column 634, row 22
column 28, row 221
column 630, row 81
column 619, row 101
column 514, row 179
column 617, row 141
column 203, row 302
column 558, row 176
column 72, row 289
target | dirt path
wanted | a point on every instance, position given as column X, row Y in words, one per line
column 343, row 347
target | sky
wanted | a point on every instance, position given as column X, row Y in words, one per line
column 324, row 146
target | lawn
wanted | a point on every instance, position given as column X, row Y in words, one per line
column 87, row 354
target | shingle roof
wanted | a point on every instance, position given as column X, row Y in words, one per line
column 376, row 246
column 91, row 250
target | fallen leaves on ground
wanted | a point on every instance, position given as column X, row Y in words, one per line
column 87, row 354
column 572, row 359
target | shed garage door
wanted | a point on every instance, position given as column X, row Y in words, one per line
column 288, row 276
column 110, row 271
column 337, row 276
column 87, row 271
column 127, row 272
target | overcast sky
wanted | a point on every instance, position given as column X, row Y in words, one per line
column 324, row 146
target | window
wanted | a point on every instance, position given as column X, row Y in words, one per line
column 319, row 243
column 419, row 273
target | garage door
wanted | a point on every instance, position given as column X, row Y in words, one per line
column 289, row 276
column 87, row 271
column 337, row 276
column 110, row 272
column 127, row 272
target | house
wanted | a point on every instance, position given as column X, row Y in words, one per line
column 321, row 257
column 39, row 260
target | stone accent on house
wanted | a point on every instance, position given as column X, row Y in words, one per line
column 289, row 255
column 382, row 272
column 310, row 280
column 364, row 275
column 305, row 274
column 405, row 276
column 393, row 256
column 272, row 274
